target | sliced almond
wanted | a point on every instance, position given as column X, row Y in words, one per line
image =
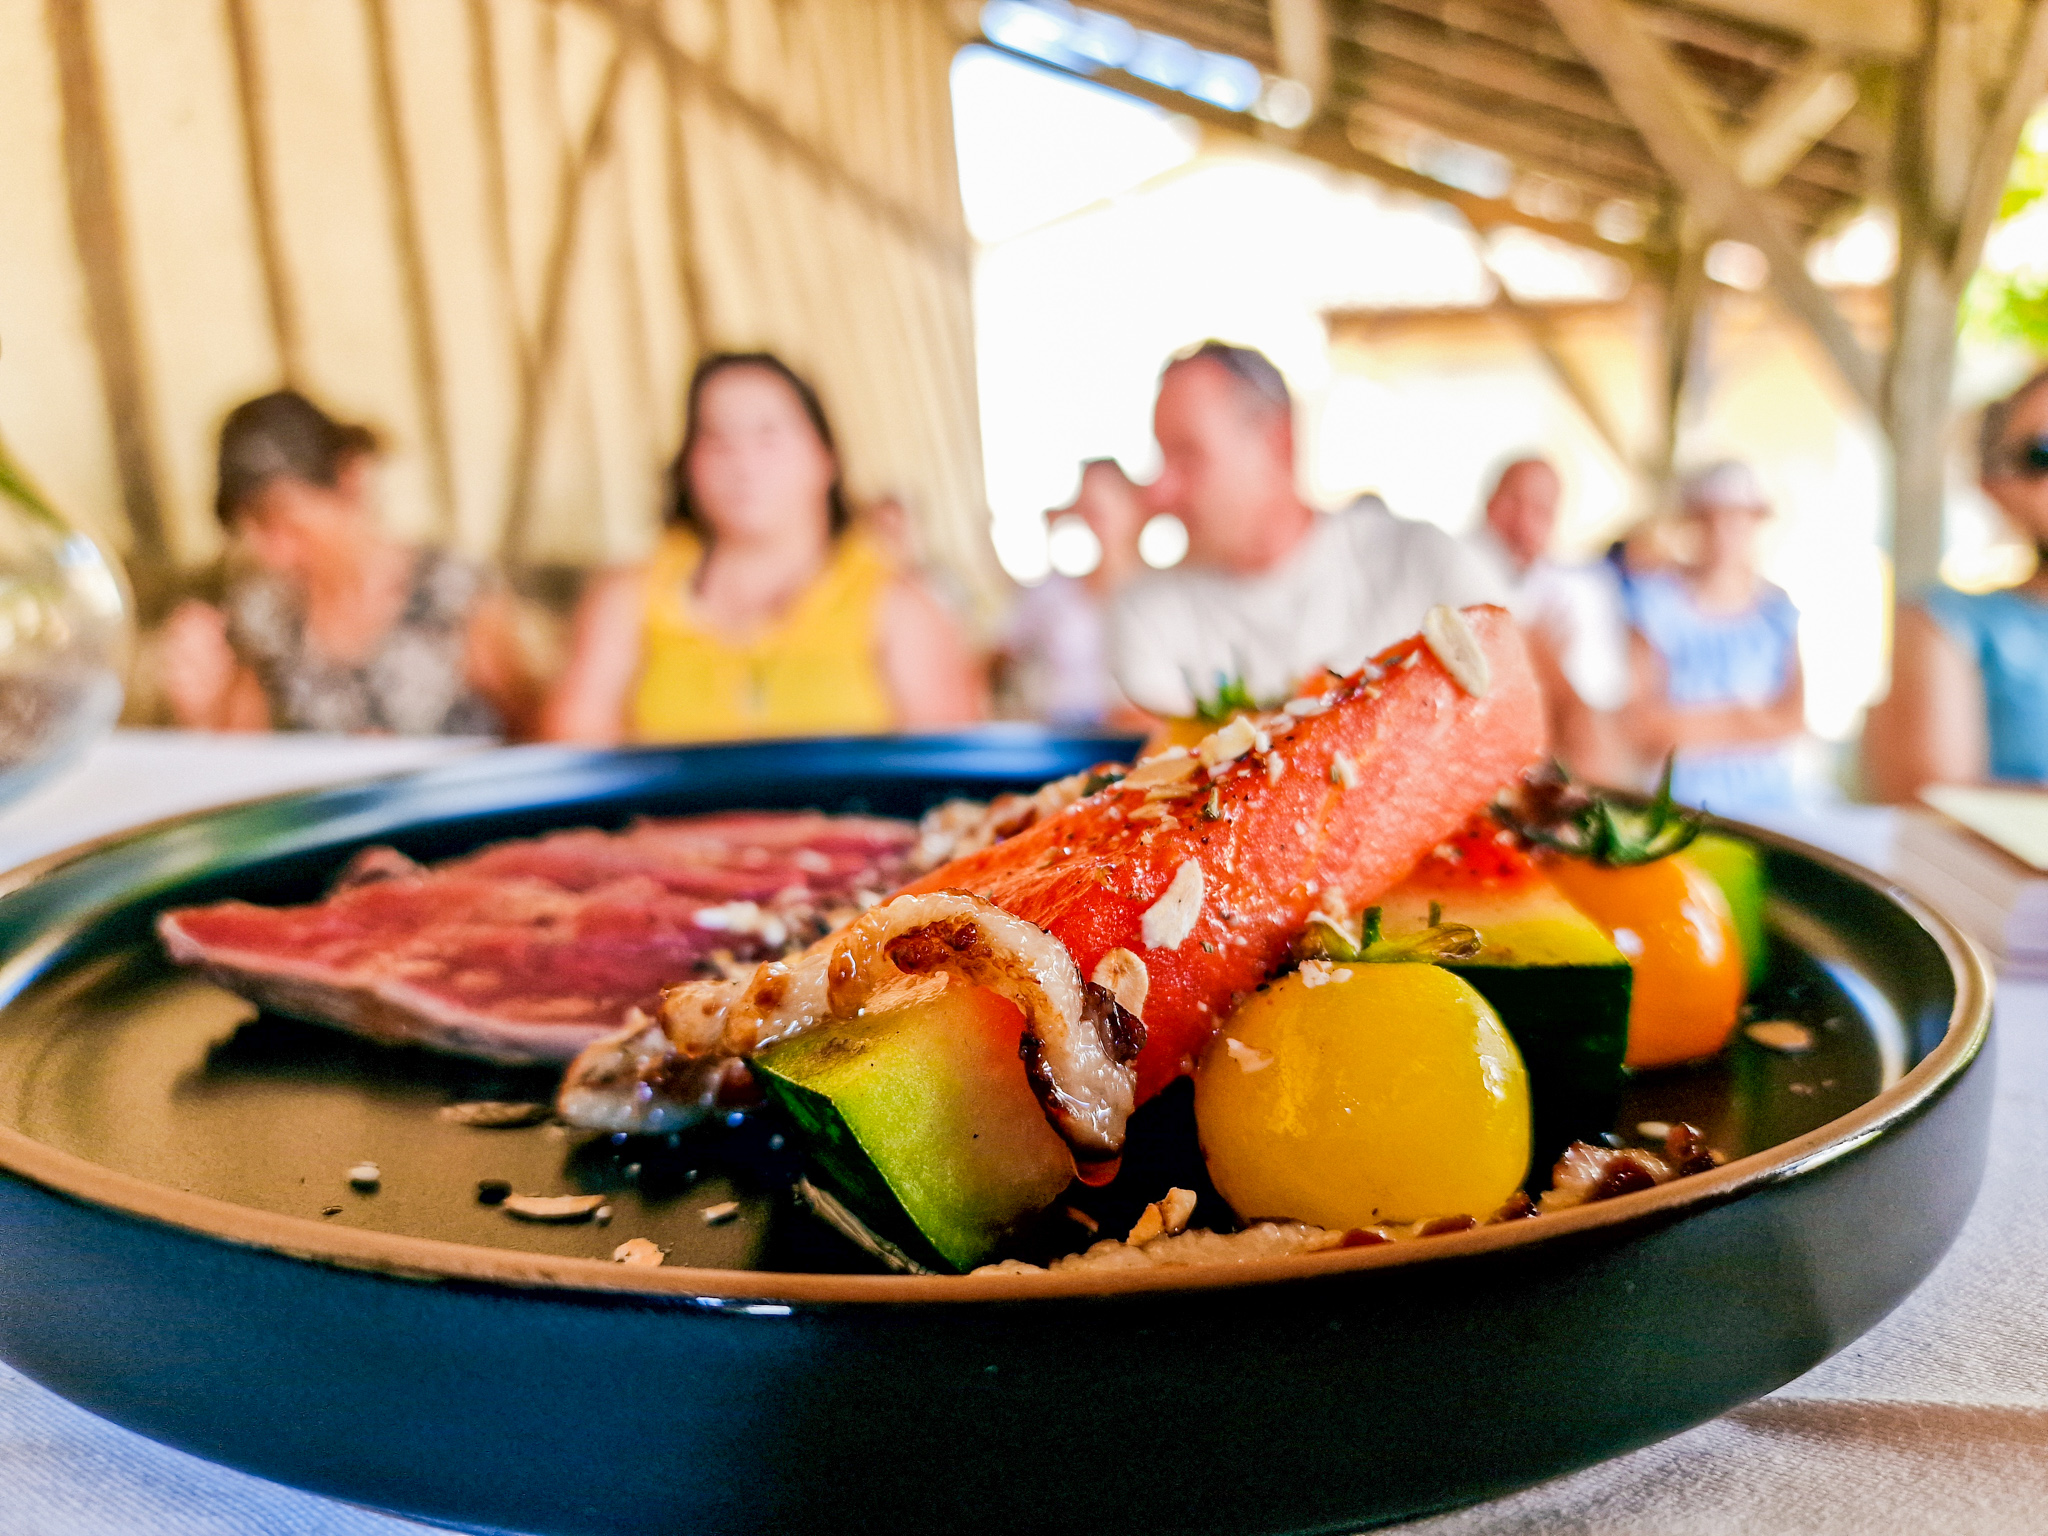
column 1170, row 766
column 718, row 1215
column 1782, row 1035
column 1450, row 639
column 1163, row 1218
column 553, row 1207
column 1122, row 974
column 494, row 1114
column 1227, row 743
column 1170, row 919
column 638, row 1251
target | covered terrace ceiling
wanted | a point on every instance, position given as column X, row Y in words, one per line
column 1797, row 88
column 1651, row 130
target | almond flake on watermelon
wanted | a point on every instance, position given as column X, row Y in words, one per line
column 1450, row 639
column 1170, row 919
column 1227, row 744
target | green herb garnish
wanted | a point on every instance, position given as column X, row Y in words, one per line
column 1551, row 811
column 1231, row 696
column 1329, row 939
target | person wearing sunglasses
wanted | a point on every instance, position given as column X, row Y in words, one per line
column 1969, row 694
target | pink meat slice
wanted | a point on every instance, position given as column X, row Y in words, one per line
column 529, row 950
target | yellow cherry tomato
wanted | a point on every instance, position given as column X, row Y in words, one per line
column 1673, row 923
column 1388, row 1093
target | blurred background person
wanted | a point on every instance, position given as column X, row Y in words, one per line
column 1969, row 694
column 334, row 625
column 1270, row 590
column 761, row 613
column 1572, row 614
column 1715, row 656
column 1055, row 648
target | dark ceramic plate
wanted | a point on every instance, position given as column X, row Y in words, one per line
column 180, row 1250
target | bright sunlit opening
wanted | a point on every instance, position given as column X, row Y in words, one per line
column 1072, row 548
column 1163, row 542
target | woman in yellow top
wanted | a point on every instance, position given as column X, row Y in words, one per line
column 760, row 613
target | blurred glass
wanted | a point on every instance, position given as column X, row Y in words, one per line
column 64, row 637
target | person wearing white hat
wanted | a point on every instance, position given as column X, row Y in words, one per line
column 1715, row 656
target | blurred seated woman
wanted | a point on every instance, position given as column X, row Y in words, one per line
column 1969, row 695
column 1715, row 657
column 761, row 613
column 337, row 626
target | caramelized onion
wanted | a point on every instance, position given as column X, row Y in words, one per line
column 1078, row 1044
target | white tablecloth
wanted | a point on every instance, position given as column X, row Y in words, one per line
column 1937, row 1420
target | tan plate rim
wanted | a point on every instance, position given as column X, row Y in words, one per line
column 762, row 1291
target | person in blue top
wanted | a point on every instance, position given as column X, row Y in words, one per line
column 1715, row 656
column 1969, row 694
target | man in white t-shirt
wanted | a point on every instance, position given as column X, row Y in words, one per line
column 1572, row 614
column 1271, row 590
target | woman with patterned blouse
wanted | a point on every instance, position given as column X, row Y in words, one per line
column 337, row 626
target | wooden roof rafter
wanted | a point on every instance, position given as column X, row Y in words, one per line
column 1331, row 144
column 1764, row 121
column 1503, row 75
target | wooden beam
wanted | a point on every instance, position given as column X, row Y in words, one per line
column 1532, row 32
column 1954, row 155
column 1494, row 66
column 285, row 332
column 1326, row 141
column 490, row 132
column 641, row 24
column 2022, row 92
column 1596, row 169
column 1666, row 108
column 1546, row 113
column 1795, row 114
column 1203, row 26
column 99, row 234
column 1686, row 296
column 1301, row 43
column 402, row 188
column 577, row 164
column 1542, row 336
column 1882, row 28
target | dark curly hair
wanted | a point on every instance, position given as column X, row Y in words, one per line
column 682, row 504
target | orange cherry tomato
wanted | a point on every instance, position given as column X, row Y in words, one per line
column 1673, row 923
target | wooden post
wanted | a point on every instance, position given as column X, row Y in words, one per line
column 1685, row 316
column 1952, row 157
column 1668, row 109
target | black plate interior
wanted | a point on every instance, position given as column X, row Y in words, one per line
column 109, row 1052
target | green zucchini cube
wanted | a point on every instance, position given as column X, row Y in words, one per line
column 920, row 1121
